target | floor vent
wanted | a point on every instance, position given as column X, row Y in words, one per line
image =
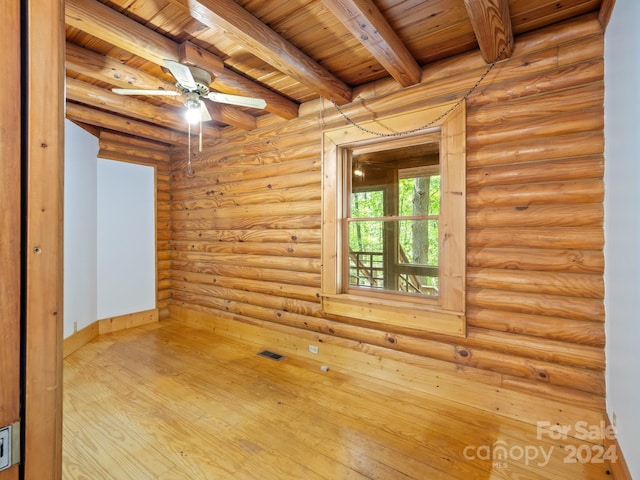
column 271, row 355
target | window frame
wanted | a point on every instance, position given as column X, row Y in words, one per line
column 444, row 313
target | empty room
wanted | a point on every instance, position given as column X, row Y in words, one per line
column 320, row 240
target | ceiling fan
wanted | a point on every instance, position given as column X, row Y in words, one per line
column 193, row 83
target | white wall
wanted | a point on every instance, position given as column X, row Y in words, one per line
column 80, row 228
column 109, row 234
column 622, row 224
column 126, row 238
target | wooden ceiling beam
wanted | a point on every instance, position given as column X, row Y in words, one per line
column 91, row 64
column 492, row 25
column 263, row 42
column 105, row 69
column 606, row 9
column 98, row 118
column 365, row 22
column 98, row 20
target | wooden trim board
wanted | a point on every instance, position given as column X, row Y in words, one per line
column 619, row 468
column 79, row 339
column 107, row 325
column 113, row 324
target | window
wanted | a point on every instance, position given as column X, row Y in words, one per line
column 393, row 222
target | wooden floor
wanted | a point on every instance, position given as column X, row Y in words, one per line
column 167, row 401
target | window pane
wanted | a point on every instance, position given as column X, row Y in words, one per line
column 394, row 255
column 367, row 204
column 418, row 242
column 419, row 195
column 366, row 236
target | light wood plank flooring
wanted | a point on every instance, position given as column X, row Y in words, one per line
column 167, row 401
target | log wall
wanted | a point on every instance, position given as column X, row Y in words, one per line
column 245, row 229
column 118, row 147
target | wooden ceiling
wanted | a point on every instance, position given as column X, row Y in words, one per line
column 285, row 51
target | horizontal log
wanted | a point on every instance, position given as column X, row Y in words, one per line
column 256, row 173
column 537, row 127
column 258, row 236
column 286, row 277
column 229, row 297
column 300, row 292
column 586, row 191
column 256, row 261
column 574, row 308
column 554, row 328
column 531, row 150
column 553, row 351
column 577, row 168
column 591, row 47
column 554, row 102
column 218, row 199
column 185, row 190
column 553, row 283
column 577, row 215
column 224, row 159
column 544, row 260
column 249, row 211
column 539, row 82
column 576, row 238
column 269, row 222
column 308, row 250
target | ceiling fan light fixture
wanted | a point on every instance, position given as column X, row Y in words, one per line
column 193, row 113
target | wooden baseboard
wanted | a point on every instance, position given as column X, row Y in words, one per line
column 619, row 468
column 473, row 387
column 106, row 325
column 113, row 324
column 79, row 339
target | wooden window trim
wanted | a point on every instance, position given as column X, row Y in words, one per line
column 446, row 313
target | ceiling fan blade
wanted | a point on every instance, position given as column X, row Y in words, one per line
column 204, row 113
column 134, row 91
column 236, row 100
column 182, row 74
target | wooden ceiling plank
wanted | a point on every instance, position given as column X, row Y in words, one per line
column 265, row 43
column 103, row 68
column 98, row 118
column 365, row 22
column 492, row 25
column 112, row 27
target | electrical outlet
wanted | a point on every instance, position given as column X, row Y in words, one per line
column 313, row 349
column 614, row 423
column 75, row 327
column 5, row 447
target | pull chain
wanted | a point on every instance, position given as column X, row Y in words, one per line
column 189, row 170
